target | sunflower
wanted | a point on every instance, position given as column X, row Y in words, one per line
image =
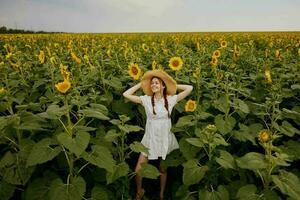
column 268, row 76
column 154, row 65
column 223, row 44
column 220, row 76
column 175, row 63
column 2, row 90
column 145, row 47
column 214, row 62
column 75, row 58
column 64, row 86
column 134, row 71
column 298, row 52
column 216, row 54
column 277, row 53
column 264, row 135
column 190, row 106
column 41, row 57
column 64, row 72
column 108, row 52
column 53, row 60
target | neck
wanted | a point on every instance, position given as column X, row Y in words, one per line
column 157, row 96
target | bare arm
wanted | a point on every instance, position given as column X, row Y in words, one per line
column 129, row 94
column 187, row 89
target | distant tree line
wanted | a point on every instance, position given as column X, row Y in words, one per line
column 3, row 30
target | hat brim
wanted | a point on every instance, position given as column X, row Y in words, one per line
column 167, row 79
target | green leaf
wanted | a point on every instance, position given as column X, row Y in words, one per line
column 13, row 165
column 138, row 147
column 101, row 157
column 288, row 183
column 220, row 194
column 224, row 126
column 99, row 192
column 226, row 160
column 130, row 128
column 148, row 171
column 295, row 87
column 111, row 135
column 43, row 152
column 6, row 190
column 55, row 112
column 120, row 170
column 99, row 107
column 252, row 161
column 114, row 82
column 92, row 112
column 247, row 192
column 189, row 151
column 222, row 104
column 192, row 172
column 76, row 145
column 185, row 121
column 288, row 129
column 73, row 191
column 195, row 141
column 241, row 105
column 37, row 189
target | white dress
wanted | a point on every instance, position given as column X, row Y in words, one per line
column 158, row 137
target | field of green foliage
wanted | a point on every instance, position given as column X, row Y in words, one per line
column 66, row 131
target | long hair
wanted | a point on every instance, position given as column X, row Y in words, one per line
column 164, row 94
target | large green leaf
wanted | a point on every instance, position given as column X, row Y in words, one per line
column 43, row 152
column 138, row 147
column 185, row 121
column 222, row 104
column 226, row 160
column 241, row 105
column 252, row 161
column 54, row 112
column 72, row 191
column 192, row 172
column 189, row 151
column 288, row 183
column 195, row 141
column 76, row 145
column 220, row 194
column 94, row 113
column 224, row 125
column 247, row 192
column 13, row 165
column 6, row 190
column 120, row 170
column 148, row 171
column 130, row 128
column 100, row 192
column 101, row 157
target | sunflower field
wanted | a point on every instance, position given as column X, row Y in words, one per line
column 66, row 131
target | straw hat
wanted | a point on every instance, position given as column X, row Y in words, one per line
column 168, row 80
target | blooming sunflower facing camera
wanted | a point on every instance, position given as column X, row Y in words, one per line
column 175, row 63
column 190, row 106
column 264, row 135
column 134, row 71
column 64, row 86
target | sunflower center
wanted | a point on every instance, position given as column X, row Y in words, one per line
column 134, row 70
column 191, row 106
column 175, row 63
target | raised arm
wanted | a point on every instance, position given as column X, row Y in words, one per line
column 129, row 94
column 187, row 89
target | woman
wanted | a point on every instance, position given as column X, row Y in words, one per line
column 158, row 101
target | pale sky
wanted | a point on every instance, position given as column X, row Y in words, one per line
column 151, row 15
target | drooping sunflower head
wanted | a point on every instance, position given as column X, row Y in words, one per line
column 134, row 71
column 41, row 57
column 216, row 54
column 190, row 106
column 277, row 53
column 145, row 47
column 2, row 90
column 268, row 76
column 154, row 64
column 64, row 86
column 223, row 44
column 264, row 135
column 64, row 72
column 214, row 62
column 175, row 63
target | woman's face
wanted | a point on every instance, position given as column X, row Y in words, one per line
column 156, row 85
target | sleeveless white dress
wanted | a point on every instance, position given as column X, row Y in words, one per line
column 158, row 137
